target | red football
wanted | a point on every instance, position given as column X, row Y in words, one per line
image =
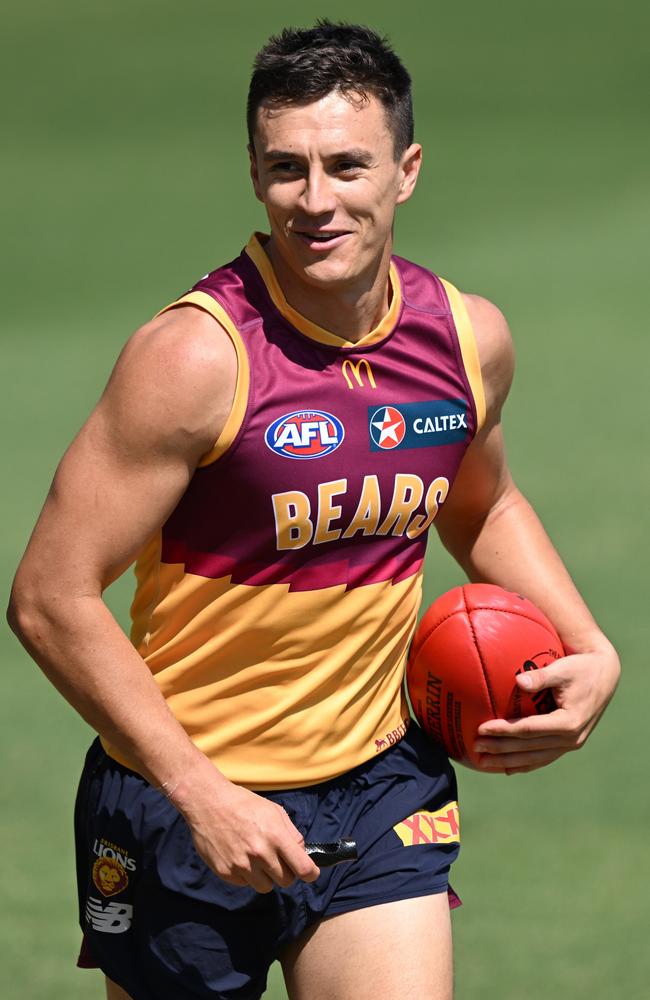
column 466, row 652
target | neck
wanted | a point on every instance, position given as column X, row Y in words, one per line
column 349, row 310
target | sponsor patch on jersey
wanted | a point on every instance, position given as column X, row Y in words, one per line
column 305, row 434
column 387, row 428
column 417, row 425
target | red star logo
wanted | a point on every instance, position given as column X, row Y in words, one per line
column 388, row 427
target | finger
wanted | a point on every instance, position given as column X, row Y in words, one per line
column 291, row 828
column 553, row 676
column 230, row 875
column 258, row 879
column 508, row 744
column 537, row 680
column 508, row 762
column 530, row 727
column 522, row 770
column 279, row 873
column 292, row 853
column 232, row 879
column 299, row 862
column 528, row 767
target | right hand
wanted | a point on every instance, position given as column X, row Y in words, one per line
column 244, row 838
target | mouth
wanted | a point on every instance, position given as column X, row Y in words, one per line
column 319, row 239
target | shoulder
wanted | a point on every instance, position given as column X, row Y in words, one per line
column 495, row 351
column 175, row 377
column 186, row 340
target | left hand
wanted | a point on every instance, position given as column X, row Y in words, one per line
column 582, row 685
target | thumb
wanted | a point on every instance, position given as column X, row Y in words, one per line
column 538, row 678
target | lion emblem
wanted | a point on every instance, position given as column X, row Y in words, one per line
column 109, row 876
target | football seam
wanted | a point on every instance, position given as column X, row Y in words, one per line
column 483, row 607
column 522, row 614
column 426, row 638
column 415, row 651
column 480, row 654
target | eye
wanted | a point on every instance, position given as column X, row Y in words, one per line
column 285, row 167
column 348, row 167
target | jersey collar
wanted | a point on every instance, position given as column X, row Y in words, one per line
column 257, row 254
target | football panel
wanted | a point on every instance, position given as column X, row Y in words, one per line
column 509, row 644
column 447, row 687
column 487, row 596
column 448, row 604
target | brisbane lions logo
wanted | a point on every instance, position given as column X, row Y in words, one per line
column 109, row 876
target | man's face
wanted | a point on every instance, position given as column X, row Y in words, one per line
column 327, row 175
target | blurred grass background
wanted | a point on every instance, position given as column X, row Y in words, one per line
column 124, row 177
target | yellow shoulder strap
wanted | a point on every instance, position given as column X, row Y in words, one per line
column 468, row 349
column 236, row 415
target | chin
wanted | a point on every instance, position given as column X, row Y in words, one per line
column 323, row 273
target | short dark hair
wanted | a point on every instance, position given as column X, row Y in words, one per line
column 301, row 65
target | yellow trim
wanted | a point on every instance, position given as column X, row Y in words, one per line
column 240, row 401
column 257, row 254
column 468, row 349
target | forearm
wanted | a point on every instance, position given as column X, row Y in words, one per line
column 510, row 547
column 244, row 838
column 86, row 655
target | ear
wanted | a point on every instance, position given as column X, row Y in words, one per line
column 409, row 168
column 255, row 177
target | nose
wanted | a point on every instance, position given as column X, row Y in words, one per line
column 317, row 197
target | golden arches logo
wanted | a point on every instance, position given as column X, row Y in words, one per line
column 355, row 367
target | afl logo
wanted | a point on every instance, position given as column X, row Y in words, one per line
column 305, row 434
column 387, row 427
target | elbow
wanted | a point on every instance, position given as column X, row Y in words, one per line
column 13, row 616
column 21, row 614
column 27, row 614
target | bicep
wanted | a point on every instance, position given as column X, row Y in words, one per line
column 483, row 482
column 125, row 471
column 103, row 504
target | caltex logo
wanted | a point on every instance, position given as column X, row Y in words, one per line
column 305, row 434
column 427, row 423
column 387, row 427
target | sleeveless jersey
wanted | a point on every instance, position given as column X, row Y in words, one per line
column 276, row 605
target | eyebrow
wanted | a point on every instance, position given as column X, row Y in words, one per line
column 358, row 155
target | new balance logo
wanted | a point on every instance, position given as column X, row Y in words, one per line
column 111, row 918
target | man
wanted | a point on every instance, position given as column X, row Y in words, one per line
column 256, row 450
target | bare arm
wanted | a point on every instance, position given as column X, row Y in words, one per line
column 164, row 406
column 494, row 533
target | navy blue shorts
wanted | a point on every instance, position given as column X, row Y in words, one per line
column 162, row 925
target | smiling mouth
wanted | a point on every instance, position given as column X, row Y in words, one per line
column 321, row 239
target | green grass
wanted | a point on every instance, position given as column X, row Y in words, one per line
column 125, row 179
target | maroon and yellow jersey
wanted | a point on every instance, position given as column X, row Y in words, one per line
column 276, row 605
